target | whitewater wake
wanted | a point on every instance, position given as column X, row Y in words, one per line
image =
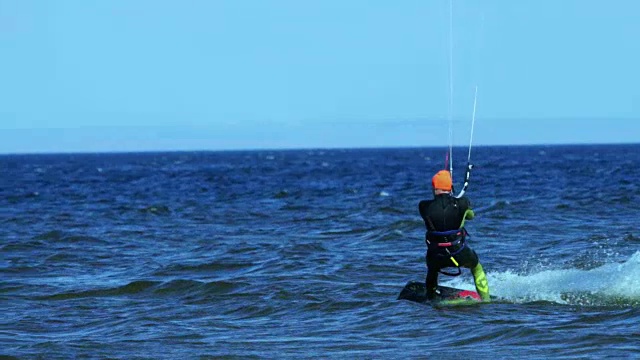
column 612, row 284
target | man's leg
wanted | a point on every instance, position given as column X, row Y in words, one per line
column 469, row 259
column 431, row 281
column 482, row 286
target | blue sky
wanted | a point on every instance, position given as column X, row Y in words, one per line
column 239, row 74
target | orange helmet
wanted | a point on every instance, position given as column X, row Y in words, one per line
column 442, row 180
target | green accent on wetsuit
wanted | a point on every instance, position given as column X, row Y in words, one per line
column 468, row 215
column 482, row 286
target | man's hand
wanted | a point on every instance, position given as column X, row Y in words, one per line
column 469, row 214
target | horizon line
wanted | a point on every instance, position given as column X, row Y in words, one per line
column 283, row 149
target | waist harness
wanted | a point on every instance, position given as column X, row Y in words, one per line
column 453, row 246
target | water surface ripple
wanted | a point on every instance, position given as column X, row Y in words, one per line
column 301, row 254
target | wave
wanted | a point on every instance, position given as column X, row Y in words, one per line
column 45, row 241
column 208, row 267
column 348, row 231
column 177, row 287
column 391, row 210
column 503, row 204
column 62, row 236
column 611, row 284
column 129, row 289
column 160, row 210
column 413, row 224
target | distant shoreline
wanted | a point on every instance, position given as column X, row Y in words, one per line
column 249, row 150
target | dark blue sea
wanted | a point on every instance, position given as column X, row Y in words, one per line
column 302, row 254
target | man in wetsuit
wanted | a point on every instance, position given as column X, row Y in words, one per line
column 446, row 236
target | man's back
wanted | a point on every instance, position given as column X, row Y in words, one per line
column 444, row 212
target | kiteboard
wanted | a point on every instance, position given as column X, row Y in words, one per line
column 416, row 291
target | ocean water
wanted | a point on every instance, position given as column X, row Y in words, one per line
column 302, row 254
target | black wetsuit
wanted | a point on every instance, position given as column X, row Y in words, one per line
column 445, row 213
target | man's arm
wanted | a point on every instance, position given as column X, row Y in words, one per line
column 465, row 205
column 423, row 205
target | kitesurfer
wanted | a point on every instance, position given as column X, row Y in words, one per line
column 444, row 218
